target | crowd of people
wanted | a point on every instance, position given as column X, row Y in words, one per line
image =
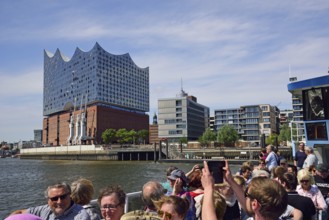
column 271, row 189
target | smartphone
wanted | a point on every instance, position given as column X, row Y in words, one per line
column 216, row 169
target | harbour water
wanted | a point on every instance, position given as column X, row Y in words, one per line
column 23, row 182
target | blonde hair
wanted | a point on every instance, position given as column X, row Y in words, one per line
column 82, row 191
column 305, row 174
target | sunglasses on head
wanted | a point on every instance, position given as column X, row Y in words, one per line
column 167, row 214
column 62, row 197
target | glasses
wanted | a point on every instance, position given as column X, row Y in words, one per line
column 304, row 181
column 62, row 197
column 109, row 206
column 167, row 214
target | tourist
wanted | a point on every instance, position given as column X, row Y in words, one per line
column 300, row 156
column 292, row 169
column 321, row 179
column 271, row 159
column 152, row 191
column 82, row 194
column 179, row 182
column 306, row 188
column 284, row 164
column 195, row 185
column 246, row 173
column 172, row 207
column 302, row 203
column 232, row 206
column 218, row 203
column 262, row 199
column 166, row 184
column 112, row 201
column 310, row 159
column 60, row 205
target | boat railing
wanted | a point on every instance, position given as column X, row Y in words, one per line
column 129, row 197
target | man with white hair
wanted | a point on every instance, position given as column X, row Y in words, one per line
column 310, row 159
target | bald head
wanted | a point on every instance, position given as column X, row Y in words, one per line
column 152, row 191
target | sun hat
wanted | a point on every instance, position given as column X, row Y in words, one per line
column 25, row 216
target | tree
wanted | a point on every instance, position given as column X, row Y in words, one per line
column 285, row 133
column 122, row 136
column 143, row 135
column 272, row 139
column 207, row 137
column 132, row 136
column 108, row 136
column 227, row 135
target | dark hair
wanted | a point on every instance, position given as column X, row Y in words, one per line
column 170, row 169
column 195, row 179
column 117, row 190
column 290, row 180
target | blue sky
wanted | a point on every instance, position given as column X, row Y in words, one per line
column 228, row 53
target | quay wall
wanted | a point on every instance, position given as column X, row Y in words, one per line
column 145, row 153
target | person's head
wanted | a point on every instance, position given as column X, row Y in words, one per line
column 322, row 170
column 226, row 191
column 289, row 181
column 172, row 207
column 82, row 191
column 269, row 148
column 246, row 172
column 292, row 169
column 308, row 150
column 305, row 179
column 262, row 163
column 283, row 163
column 58, row 197
column 170, row 169
column 112, row 201
column 152, row 191
column 301, row 146
column 248, row 163
column 195, row 179
column 261, row 172
column 177, row 174
column 239, row 180
column 278, row 172
column 266, row 198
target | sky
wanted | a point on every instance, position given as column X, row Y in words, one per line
column 225, row 53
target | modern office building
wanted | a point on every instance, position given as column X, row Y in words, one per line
column 250, row 121
column 38, row 135
column 91, row 92
column 297, row 123
column 286, row 116
column 182, row 117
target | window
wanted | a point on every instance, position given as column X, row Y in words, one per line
column 316, row 131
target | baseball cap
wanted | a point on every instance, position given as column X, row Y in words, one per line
column 175, row 174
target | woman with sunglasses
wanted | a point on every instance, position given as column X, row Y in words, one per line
column 307, row 188
column 172, row 207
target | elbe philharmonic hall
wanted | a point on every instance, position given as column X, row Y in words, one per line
column 91, row 92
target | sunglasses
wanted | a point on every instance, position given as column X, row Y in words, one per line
column 304, row 181
column 167, row 214
column 62, row 197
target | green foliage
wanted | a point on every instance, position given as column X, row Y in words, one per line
column 143, row 135
column 108, row 136
column 122, row 136
column 183, row 140
column 207, row 137
column 285, row 133
column 271, row 140
column 227, row 135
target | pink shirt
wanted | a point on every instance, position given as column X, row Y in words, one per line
column 315, row 194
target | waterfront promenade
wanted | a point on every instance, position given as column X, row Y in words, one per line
column 143, row 153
